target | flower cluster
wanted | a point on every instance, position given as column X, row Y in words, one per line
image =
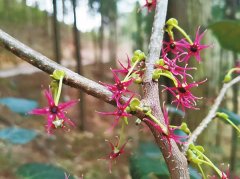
column 133, row 73
column 176, row 68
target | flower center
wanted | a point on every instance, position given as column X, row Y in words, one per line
column 120, row 86
column 194, row 48
column 120, row 111
column 182, row 90
column 172, row 45
column 54, row 110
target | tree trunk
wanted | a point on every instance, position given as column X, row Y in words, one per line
column 76, row 35
column 56, row 33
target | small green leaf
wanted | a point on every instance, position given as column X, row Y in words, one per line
column 19, row 105
column 17, row 135
column 58, row 74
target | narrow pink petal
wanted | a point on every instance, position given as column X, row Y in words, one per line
column 116, row 78
column 68, row 104
column 42, row 111
column 107, row 113
column 61, row 115
column 49, row 97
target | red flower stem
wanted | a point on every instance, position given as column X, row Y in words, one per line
column 183, row 33
column 164, row 129
column 130, row 71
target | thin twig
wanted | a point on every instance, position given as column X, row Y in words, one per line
column 211, row 113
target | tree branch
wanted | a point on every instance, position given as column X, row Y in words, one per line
column 175, row 160
column 45, row 64
column 211, row 113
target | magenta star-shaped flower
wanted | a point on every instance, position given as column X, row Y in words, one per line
column 171, row 134
column 195, row 48
column 55, row 113
column 172, row 46
column 118, row 113
column 118, row 88
column 116, row 151
column 183, row 95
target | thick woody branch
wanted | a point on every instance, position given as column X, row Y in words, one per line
column 175, row 160
column 211, row 113
column 45, row 64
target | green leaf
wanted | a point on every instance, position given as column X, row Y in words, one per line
column 58, row 74
column 40, row 171
column 19, row 105
column 17, row 135
column 228, row 34
column 174, row 110
column 181, row 133
column 231, row 115
column 148, row 163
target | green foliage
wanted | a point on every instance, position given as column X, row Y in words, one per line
column 172, row 109
column 148, row 163
column 231, row 115
column 19, row 13
column 40, row 171
column 228, row 34
column 17, row 135
column 19, row 105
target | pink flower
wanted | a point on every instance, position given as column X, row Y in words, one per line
column 116, row 151
column 55, row 113
column 173, row 47
column 171, row 134
column 150, row 5
column 183, row 95
column 172, row 66
column 120, row 112
column 195, row 48
column 118, row 88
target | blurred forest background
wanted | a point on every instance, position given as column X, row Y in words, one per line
column 89, row 37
